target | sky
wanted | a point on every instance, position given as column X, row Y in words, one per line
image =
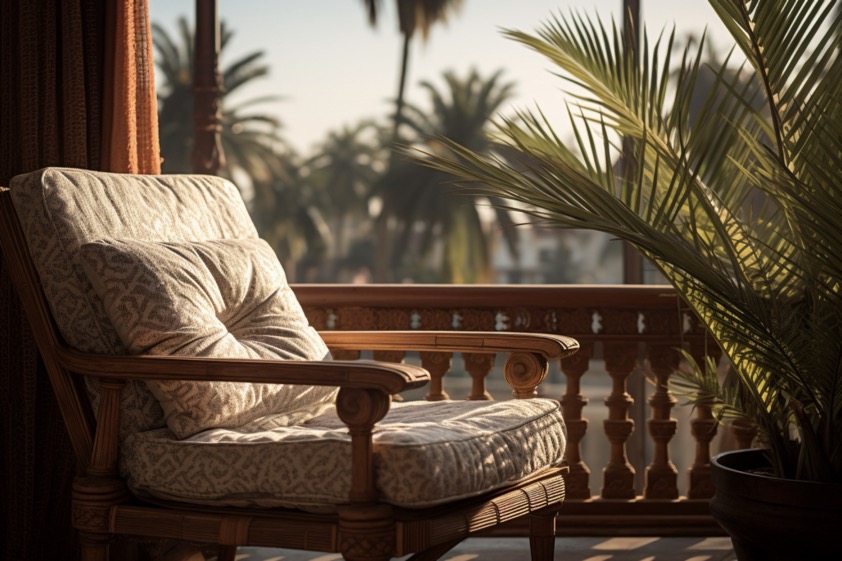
column 331, row 68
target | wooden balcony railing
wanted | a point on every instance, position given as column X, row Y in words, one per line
column 626, row 329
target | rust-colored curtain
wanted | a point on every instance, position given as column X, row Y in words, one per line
column 130, row 135
column 76, row 90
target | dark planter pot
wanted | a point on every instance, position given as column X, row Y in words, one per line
column 771, row 519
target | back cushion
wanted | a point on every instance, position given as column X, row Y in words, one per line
column 62, row 208
column 221, row 298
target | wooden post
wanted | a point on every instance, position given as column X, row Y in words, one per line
column 366, row 527
column 207, row 91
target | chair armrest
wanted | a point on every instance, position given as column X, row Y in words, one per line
column 548, row 346
column 386, row 377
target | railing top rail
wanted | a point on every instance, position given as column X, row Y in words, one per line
column 479, row 295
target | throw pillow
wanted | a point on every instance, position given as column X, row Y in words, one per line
column 221, row 298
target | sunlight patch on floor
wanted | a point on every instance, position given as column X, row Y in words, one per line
column 716, row 544
column 623, row 544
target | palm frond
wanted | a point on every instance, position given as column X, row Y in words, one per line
column 733, row 193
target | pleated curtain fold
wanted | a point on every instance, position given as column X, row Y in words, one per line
column 76, row 90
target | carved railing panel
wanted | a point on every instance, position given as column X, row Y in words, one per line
column 626, row 329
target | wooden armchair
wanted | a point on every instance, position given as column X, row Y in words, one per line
column 516, row 447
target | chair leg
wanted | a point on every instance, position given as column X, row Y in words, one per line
column 367, row 533
column 226, row 553
column 94, row 547
column 542, row 536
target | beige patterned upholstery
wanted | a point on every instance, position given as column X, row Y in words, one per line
column 65, row 208
column 218, row 298
column 425, row 453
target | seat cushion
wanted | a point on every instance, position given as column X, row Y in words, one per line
column 65, row 208
column 215, row 298
column 425, row 454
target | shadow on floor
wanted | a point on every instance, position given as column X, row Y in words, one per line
column 567, row 549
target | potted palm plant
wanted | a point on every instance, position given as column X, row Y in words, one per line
column 735, row 197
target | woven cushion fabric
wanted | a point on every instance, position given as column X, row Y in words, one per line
column 425, row 454
column 217, row 298
column 62, row 208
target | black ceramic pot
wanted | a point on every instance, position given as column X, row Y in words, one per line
column 771, row 519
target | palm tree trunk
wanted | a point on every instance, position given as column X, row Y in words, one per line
column 208, row 156
column 632, row 260
column 401, row 87
column 382, row 262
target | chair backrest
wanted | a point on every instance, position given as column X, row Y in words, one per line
column 65, row 208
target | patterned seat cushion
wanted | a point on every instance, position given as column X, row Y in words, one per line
column 215, row 298
column 425, row 454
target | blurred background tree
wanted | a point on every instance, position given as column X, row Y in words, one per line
column 350, row 208
column 273, row 179
column 344, row 170
column 413, row 16
column 250, row 138
column 421, row 206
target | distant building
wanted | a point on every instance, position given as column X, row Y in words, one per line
column 552, row 256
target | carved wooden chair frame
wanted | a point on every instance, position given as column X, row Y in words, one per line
column 364, row 529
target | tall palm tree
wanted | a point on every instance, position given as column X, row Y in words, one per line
column 413, row 16
column 344, row 170
column 419, row 199
column 291, row 219
column 249, row 139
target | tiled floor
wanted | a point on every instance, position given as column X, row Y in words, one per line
column 567, row 549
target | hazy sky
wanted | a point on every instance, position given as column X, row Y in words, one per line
column 331, row 68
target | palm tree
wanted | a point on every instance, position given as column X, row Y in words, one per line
column 419, row 199
column 413, row 16
column 249, row 139
column 738, row 207
column 344, row 170
column 290, row 218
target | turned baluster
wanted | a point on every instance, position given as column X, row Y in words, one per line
column 618, row 475
column 572, row 404
column 438, row 364
column 744, row 432
column 703, row 428
column 661, row 474
column 389, row 356
column 479, row 366
column 345, row 354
